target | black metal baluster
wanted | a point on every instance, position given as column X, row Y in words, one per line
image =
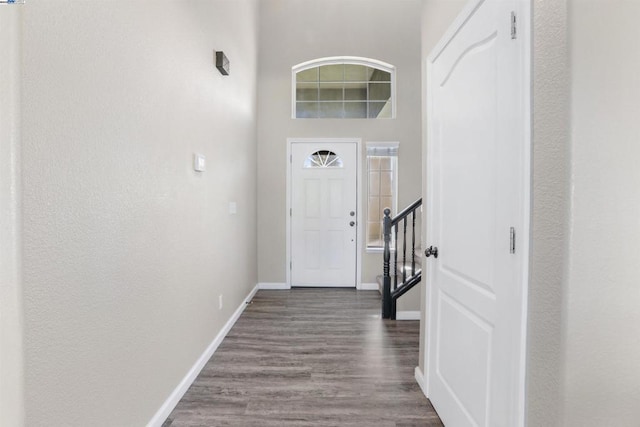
column 404, row 252
column 386, row 279
column 390, row 290
column 413, row 246
column 395, row 257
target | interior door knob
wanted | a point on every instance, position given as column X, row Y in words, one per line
column 352, row 223
column 431, row 250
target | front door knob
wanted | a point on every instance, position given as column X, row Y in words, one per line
column 352, row 223
column 431, row 250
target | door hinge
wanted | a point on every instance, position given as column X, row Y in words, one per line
column 512, row 240
column 290, row 265
column 290, row 211
column 290, row 158
column 514, row 26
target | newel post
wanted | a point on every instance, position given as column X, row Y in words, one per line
column 386, row 281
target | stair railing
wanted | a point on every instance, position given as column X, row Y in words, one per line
column 391, row 293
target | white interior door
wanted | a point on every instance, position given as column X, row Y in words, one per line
column 323, row 214
column 477, row 201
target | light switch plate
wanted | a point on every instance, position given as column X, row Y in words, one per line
column 199, row 162
column 233, row 208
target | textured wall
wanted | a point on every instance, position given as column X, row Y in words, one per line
column 11, row 331
column 126, row 248
column 602, row 366
column 295, row 31
column 549, row 216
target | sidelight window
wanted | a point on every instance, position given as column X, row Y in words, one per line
column 382, row 176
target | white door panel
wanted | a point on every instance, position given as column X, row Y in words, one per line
column 323, row 241
column 476, row 193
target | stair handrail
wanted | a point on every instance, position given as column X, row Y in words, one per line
column 404, row 212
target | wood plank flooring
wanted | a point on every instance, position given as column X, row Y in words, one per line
column 310, row 357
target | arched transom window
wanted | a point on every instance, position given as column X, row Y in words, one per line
column 343, row 88
column 323, row 159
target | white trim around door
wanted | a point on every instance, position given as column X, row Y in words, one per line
column 359, row 222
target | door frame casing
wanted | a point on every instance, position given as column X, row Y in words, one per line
column 359, row 234
column 523, row 10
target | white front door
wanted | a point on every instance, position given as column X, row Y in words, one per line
column 323, row 214
column 477, row 204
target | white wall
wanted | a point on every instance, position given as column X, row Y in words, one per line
column 602, row 365
column 550, row 214
column 11, row 354
column 294, row 31
column 126, row 248
column 583, row 303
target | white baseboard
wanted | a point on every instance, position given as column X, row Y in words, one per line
column 173, row 399
column 368, row 287
column 408, row 315
column 273, row 286
column 420, row 380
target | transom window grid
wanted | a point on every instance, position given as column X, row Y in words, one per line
column 343, row 90
column 382, row 175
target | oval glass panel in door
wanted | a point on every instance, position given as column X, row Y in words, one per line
column 323, row 159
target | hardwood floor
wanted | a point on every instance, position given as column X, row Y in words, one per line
column 310, row 357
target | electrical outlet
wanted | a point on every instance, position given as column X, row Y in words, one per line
column 220, row 302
